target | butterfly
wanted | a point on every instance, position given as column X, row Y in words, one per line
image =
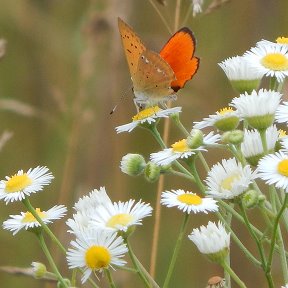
column 157, row 76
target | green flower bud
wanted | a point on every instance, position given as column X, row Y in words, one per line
column 250, row 199
column 195, row 139
column 39, row 270
column 152, row 172
column 234, row 137
column 132, row 164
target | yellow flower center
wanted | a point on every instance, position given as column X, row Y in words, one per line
column 275, row 61
column 29, row 218
column 225, row 110
column 119, row 219
column 97, row 257
column 180, row 146
column 17, row 183
column 190, row 199
column 282, row 40
column 148, row 112
column 282, row 133
column 227, row 183
column 283, row 167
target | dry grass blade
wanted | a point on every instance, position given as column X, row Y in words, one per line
column 5, row 137
column 3, row 43
column 18, row 271
column 215, row 4
column 162, row 2
column 20, row 108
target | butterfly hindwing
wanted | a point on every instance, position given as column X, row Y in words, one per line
column 154, row 75
column 179, row 54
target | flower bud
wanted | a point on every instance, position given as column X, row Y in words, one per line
column 250, row 199
column 234, row 137
column 39, row 269
column 132, row 164
column 195, row 139
column 152, row 172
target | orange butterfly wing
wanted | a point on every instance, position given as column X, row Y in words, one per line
column 179, row 54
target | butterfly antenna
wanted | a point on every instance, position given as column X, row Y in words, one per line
column 120, row 100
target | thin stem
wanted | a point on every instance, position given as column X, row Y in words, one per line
column 31, row 209
column 259, row 246
column 179, row 124
column 109, row 278
column 176, row 250
column 203, row 161
column 177, row 15
column 160, row 15
column 273, row 238
column 181, row 174
column 187, row 15
column 264, row 140
column 239, row 243
column 50, row 259
column 198, row 181
column 139, row 268
column 233, row 275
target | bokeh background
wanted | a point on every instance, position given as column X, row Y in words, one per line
column 63, row 72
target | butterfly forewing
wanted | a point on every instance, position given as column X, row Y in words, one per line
column 132, row 45
column 153, row 76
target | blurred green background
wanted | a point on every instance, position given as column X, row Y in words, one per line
column 64, row 71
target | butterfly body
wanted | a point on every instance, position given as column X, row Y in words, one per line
column 156, row 77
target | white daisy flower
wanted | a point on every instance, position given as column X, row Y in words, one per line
column 228, row 179
column 22, row 184
column 211, row 239
column 93, row 200
column 240, row 74
column 119, row 216
column 85, row 207
column 27, row 221
column 252, row 147
column 197, row 6
column 269, row 59
column 225, row 119
column 147, row 116
column 237, row 68
column 258, row 108
column 181, row 150
column 273, row 168
column 281, row 114
column 188, row 202
column 95, row 251
column 280, row 41
column 286, row 286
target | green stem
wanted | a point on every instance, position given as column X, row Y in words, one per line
column 43, row 225
column 203, row 161
column 263, row 140
column 233, row 275
column 50, row 259
column 179, row 124
column 198, row 181
column 184, row 175
column 109, row 278
column 239, row 243
column 135, row 262
column 176, row 250
column 240, row 219
column 273, row 85
column 273, row 240
column 259, row 246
